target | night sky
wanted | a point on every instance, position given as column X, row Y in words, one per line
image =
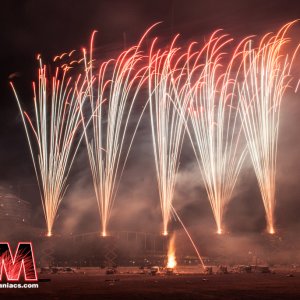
column 52, row 27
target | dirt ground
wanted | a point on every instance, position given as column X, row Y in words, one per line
column 94, row 284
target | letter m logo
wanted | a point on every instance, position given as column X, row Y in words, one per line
column 22, row 261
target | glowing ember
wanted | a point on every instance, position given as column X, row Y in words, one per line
column 171, row 253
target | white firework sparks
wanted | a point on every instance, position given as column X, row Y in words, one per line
column 266, row 76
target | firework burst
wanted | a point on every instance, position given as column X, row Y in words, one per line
column 266, row 76
column 52, row 138
column 113, row 92
column 167, row 88
column 213, row 121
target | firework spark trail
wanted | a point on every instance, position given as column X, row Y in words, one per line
column 266, row 77
column 189, row 236
column 53, row 144
column 213, row 117
column 113, row 93
column 166, row 88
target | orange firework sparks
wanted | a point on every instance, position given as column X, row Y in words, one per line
column 116, row 85
column 210, row 109
column 166, row 84
column 171, row 253
column 54, row 126
column 267, row 74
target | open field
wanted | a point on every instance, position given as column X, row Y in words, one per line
column 94, row 284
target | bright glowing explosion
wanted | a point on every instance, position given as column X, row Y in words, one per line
column 171, row 253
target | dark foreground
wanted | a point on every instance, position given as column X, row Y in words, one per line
column 92, row 285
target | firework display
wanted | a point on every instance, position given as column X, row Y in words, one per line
column 227, row 101
column 211, row 109
column 166, row 88
column 112, row 94
column 150, row 149
column 53, row 139
column 267, row 74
